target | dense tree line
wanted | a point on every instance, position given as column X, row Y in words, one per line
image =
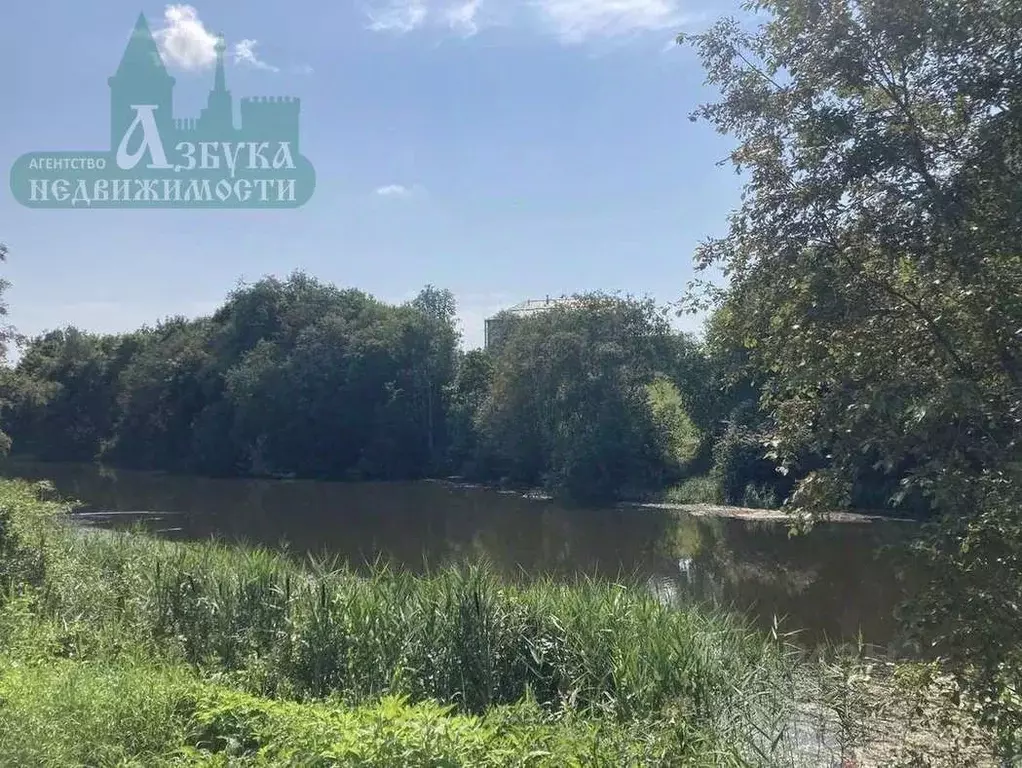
column 299, row 378
column 287, row 378
column 595, row 400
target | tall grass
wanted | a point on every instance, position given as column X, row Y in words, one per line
column 458, row 636
column 698, row 684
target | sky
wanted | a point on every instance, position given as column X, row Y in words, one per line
column 503, row 149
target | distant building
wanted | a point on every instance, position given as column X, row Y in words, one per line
column 496, row 326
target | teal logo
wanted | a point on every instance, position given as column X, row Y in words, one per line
column 157, row 161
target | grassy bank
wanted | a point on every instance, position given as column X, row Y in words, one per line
column 121, row 649
column 67, row 713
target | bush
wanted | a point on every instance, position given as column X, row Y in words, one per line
column 677, row 435
column 702, row 489
column 24, row 515
column 739, row 461
column 67, row 713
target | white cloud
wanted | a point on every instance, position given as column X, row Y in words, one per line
column 183, row 40
column 462, row 17
column 398, row 16
column 394, row 190
column 570, row 21
column 574, row 21
column 244, row 53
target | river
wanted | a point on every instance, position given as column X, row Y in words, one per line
column 832, row 583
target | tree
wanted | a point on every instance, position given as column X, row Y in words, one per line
column 471, row 388
column 569, row 405
column 160, row 394
column 438, row 309
column 66, row 386
column 875, row 275
column 7, row 332
column 288, row 377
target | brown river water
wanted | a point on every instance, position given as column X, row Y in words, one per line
column 830, row 584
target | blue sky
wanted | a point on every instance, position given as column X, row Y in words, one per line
column 500, row 148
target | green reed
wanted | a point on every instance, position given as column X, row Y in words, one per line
column 460, row 636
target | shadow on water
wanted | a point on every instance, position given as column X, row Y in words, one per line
column 829, row 583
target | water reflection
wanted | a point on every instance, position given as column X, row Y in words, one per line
column 829, row 583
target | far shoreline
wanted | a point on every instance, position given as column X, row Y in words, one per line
column 759, row 515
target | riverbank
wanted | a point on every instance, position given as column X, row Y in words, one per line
column 763, row 515
column 121, row 649
column 697, row 509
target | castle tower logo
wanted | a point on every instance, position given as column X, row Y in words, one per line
column 157, row 161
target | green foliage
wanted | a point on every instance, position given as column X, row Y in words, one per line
column 569, row 406
column 873, row 270
column 252, row 619
column 595, row 399
column 679, row 437
column 970, row 613
column 459, row 637
column 159, row 395
column 700, row 489
column 471, row 387
column 61, row 713
column 24, row 526
column 874, row 308
column 395, row 732
column 65, row 713
column 740, row 464
column 287, row 378
column 8, row 383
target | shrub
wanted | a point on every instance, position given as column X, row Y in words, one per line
column 677, row 435
column 702, row 489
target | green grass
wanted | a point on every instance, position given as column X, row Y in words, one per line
column 119, row 649
column 68, row 713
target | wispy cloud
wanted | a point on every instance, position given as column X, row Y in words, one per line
column 569, row 21
column 574, row 21
column 398, row 16
column 244, row 53
column 185, row 42
column 393, row 190
column 462, row 17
